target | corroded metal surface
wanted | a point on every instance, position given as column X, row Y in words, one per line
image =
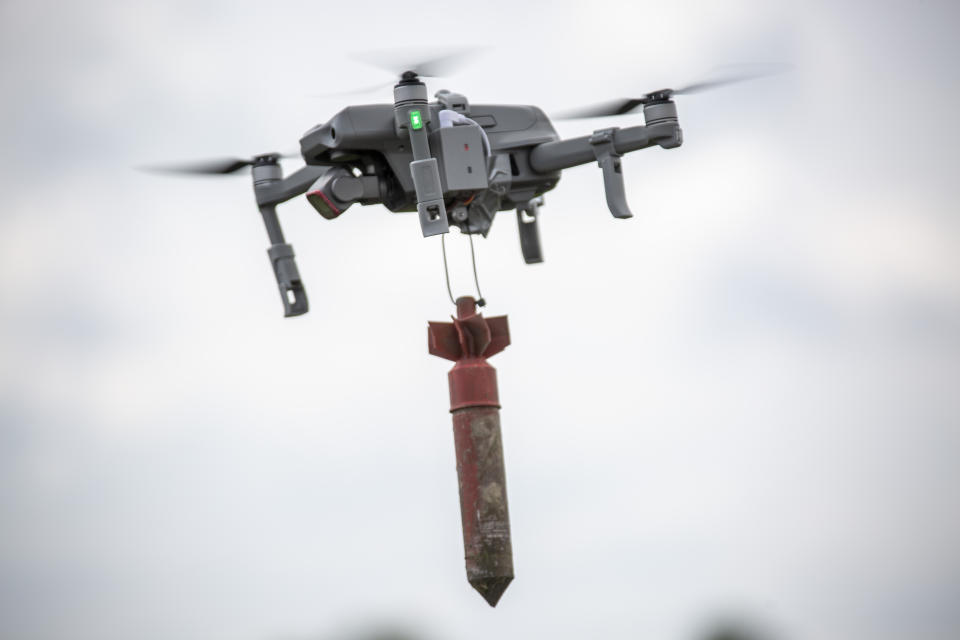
column 475, row 405
column 483, row 500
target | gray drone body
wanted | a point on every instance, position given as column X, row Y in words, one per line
column 451, row 162
column 499, row 179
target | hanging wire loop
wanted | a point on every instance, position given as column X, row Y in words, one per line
column 481, row 302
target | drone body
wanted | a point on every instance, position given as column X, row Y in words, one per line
column 451, row 162
column 366, row 138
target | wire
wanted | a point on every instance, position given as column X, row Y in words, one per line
column 473, row 259
column 446, row 271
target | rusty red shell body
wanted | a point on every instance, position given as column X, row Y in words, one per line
column 475, row 405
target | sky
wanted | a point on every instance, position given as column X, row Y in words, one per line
column 739, row 406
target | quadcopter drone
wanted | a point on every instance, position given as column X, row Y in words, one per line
column 453, row 162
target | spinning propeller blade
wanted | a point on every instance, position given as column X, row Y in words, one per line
column 396, row 62
column 219, row 166
column 601, row 109
column 399, row 62
column 627, row 105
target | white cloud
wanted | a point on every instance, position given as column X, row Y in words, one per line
column 741, row 401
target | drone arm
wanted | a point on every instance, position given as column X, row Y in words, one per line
column 298, row 182
column 281, row 255
column 270, row 189
column 564, row 154
column 606, row 146
column 272, row 223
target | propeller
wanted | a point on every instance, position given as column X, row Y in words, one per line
column 429, row 67
column 401, row 64
column 627, row 105
column 217, row 166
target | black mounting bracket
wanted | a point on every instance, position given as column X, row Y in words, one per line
column 609, row 161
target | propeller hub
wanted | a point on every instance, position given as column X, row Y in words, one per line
column 409, row 77
column 663, row 95
column 266, row 158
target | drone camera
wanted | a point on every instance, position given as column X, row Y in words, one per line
column 323, row 197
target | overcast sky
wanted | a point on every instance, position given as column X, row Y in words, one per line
column 740, row 405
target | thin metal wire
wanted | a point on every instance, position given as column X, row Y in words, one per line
column 446, row 271
column 473, row 259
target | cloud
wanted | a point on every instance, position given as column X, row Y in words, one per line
column 740, row 400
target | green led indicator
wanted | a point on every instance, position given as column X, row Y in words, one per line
column 415, row 121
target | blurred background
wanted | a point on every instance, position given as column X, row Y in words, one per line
column 736, row 413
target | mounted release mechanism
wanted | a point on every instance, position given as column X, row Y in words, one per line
column 412, row 114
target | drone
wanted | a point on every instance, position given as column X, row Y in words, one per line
column 452, row 162
column 455, row 164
